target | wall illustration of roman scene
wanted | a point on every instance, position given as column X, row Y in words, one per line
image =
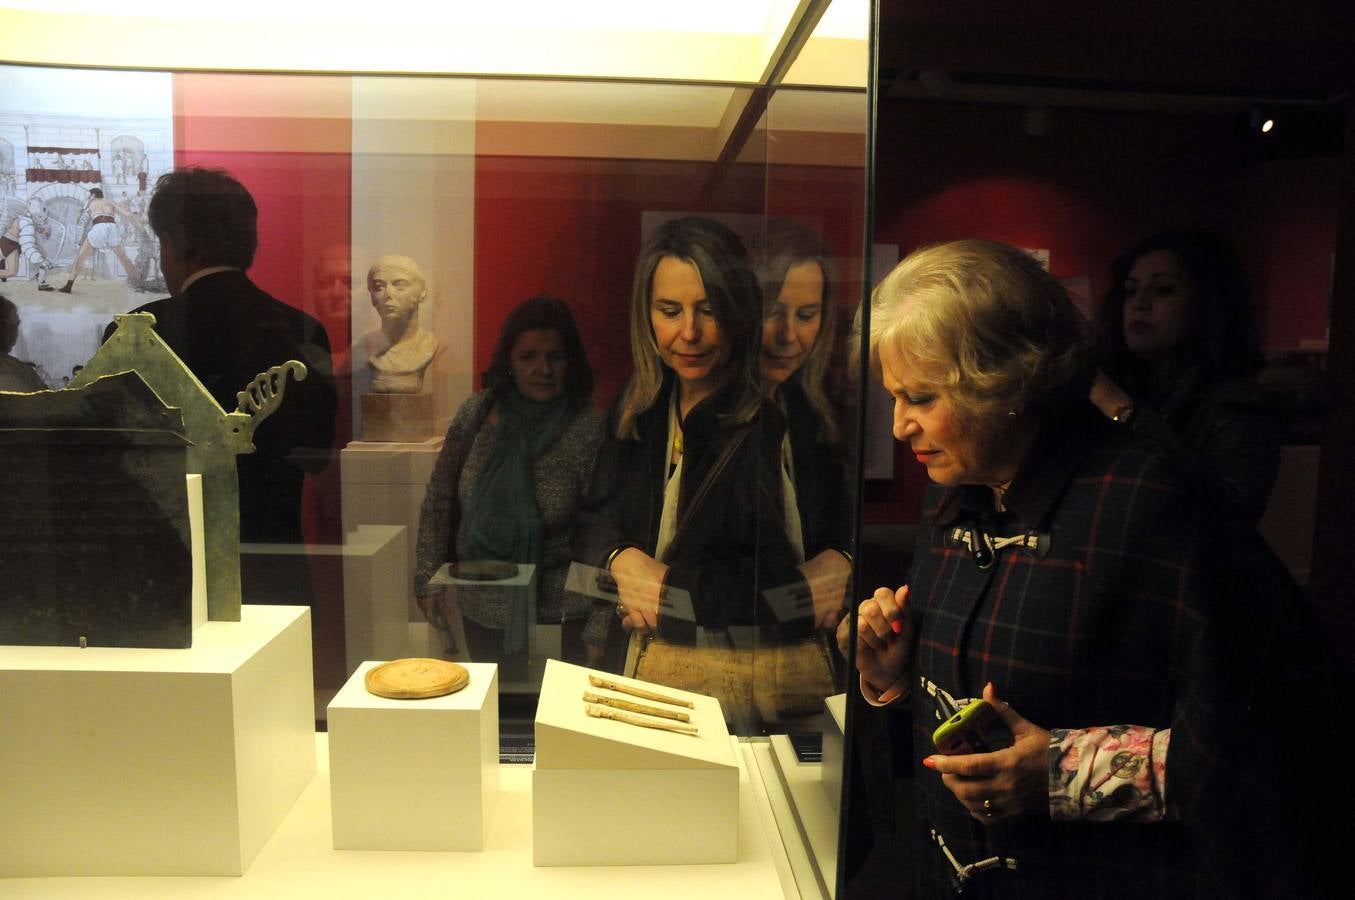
column 75, row 181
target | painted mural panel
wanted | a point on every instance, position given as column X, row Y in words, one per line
column 79, row 155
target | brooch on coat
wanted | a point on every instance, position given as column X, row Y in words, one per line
column 984, row 547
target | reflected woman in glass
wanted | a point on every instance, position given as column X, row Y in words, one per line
column 1180, row 324
column 687, row 470
column 797, row 343
column 506, row 487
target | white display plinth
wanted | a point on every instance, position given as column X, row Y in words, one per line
column 123, row 761
column 607, row 793
column 834, row 726
column 383, row 484
column 198, row 542
column 375, row 589
column 414, row 774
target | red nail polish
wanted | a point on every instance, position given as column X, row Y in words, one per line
column 896, row 626
column 929, row 762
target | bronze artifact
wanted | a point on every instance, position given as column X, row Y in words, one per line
column 217, row 437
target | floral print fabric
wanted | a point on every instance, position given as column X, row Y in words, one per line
column 1114, row 774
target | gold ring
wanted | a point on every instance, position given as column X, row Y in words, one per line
column 988, row 809
column 621, row 610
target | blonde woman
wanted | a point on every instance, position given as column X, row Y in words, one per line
column 685, row 511
column 1142, row 655
column 797, row 343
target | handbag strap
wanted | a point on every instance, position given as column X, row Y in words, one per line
column 707, row 484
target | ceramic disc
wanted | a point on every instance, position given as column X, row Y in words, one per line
column 416, row 678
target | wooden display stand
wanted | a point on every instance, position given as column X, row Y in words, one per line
column 414, row 774
column 607, row 793
column 125, row 761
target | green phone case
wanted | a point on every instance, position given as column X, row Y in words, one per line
column 975, row 728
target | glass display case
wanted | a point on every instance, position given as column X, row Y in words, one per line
column 549, row 440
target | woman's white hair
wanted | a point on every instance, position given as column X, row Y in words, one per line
column 987, row 325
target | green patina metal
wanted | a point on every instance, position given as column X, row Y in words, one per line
column 217, row 438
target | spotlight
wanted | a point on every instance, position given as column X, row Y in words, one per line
column 1267, row 126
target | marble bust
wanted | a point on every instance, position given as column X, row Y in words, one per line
column 397, row 287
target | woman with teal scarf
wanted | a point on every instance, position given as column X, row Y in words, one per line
column 506, row 487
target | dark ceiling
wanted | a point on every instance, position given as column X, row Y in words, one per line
column 1244, row 60
column 1299, row 50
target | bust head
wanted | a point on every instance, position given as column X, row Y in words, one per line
column 397, row 287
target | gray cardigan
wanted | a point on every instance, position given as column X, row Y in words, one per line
column 563, row 474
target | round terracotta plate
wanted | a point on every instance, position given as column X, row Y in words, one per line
column 416, row 678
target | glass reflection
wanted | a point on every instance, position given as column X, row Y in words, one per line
column 685, row 473
column 796, row 669
column 501, row 502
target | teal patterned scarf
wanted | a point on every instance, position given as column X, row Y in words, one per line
column 503, row 520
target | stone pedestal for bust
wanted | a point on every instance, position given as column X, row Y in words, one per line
column 397, row 417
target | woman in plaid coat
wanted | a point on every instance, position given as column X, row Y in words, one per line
column 1150, row 662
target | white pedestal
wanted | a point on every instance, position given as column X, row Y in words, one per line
column 198, row 542
column 375, row 594
column 599, row 783
column 414, row 774
column 155, row 762
column 384, row 484
column 834, row 726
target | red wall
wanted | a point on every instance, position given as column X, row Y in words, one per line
column 571, row 228
column 1088, row 187
column 1287, row 224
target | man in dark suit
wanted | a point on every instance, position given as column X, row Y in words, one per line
column 227, row 330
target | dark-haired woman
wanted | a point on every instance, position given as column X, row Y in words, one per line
column 506, row 487
column 1179, row 324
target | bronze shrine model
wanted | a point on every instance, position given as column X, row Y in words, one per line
column 217, row 437
column 95, row 537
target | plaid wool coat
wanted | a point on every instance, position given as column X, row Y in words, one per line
column 1130, row 602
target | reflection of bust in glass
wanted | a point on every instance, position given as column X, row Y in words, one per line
column 398, row 287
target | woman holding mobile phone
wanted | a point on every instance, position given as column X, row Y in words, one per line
column 1140, row 653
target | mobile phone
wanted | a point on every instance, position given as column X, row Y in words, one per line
column 976, row 728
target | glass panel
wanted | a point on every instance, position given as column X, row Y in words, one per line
column 501, row 370
column 812, row 268
column 569, row 346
